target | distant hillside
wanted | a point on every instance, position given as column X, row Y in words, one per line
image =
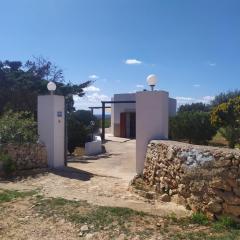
column 99, row 116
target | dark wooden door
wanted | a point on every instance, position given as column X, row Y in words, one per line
column 123, row 118
column 133, row 125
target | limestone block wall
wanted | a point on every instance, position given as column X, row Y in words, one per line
column 26, row 156
column 203, row 178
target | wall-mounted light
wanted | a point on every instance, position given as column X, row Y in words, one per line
column 51, row 86
column 152, row 81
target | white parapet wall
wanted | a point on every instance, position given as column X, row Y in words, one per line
column 51, row 117
column 152, row 116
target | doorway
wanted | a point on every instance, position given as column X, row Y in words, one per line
column 128, row 125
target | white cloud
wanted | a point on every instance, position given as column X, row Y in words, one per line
column 93, row 76
column 97, row 97
column 208, row 98
column 89, row 100
column 91, row 89
column 196, row 85
column 139, row 86
column 184, row 100
column 133, row 62
column 212, row 64
column 189, row 100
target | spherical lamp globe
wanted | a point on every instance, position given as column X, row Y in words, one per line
column 51, row 86
column 152, row 81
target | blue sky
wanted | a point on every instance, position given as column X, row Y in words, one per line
column 192, row 46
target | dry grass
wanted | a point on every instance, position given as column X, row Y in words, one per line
column 218, row 141
column 79, row 151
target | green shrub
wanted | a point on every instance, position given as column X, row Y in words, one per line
column 199, row 218
column 226, row 222
column 194, row 127
column 79, row 129
column 227, row 117
column 7, row 164
column 77, row 133
column 17, row 127
column 9, row 195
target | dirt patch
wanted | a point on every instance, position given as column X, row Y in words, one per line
column 73, row 184
column 37, row 217
column 18, row 220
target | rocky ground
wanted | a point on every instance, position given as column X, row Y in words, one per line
column 30, row 215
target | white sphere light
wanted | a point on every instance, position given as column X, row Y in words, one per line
column 152, row 80
column 51, row 86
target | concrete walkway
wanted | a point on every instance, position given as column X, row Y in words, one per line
column 119, row 160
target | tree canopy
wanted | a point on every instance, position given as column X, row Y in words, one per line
column 225, row 97
column 193, row 126
column 21, row 83
column 201, row 107
column 227, row 117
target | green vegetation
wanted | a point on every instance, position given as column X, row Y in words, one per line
column 9, row 195
column 199, row 235
column 97, row 215
column 79, row 128
column 199, row 218
column 115, row 220
column 104, row 216
column 21, row 83
column 18, row 127
column 225, row 222
column 224, row 97
column 194, row 107
column 8, row 166
column 226, row 116
column 209, row 124
column 194, row 127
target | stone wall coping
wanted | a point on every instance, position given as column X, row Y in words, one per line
column 191, row 146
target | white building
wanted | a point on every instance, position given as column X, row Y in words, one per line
column 123, row 115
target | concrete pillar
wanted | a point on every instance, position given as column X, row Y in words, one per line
column 152, row 116
column 51, row 111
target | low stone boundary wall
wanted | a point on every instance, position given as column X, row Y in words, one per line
column 26, row 156
column 203, row 178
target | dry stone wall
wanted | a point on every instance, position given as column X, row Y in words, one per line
column 203, row 178
column 26, row 156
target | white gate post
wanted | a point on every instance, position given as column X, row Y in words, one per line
column 51, row 128
column 152, row 116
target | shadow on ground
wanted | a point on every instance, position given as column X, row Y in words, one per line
column 84, row 159
column 66, row 172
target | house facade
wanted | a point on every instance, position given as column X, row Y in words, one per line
column 123, row 115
